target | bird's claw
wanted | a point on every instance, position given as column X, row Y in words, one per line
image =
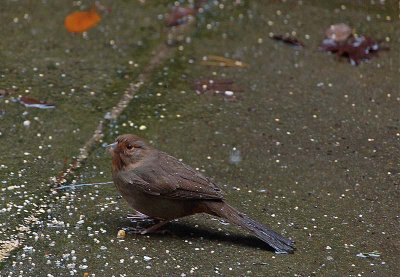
column 137, row 216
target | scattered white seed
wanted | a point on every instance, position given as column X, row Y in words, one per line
column 26, row 123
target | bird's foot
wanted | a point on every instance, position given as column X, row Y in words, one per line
column 137, row 216
column 146, row 227
column 133, row 230
column 139, row 223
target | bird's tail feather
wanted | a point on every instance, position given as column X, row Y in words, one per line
column 272, row 238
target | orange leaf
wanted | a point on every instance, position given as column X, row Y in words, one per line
column 78, row 22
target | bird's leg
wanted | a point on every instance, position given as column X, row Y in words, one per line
column 141, row 222
column 155, row 227
column 144, row 224
column 140, row 226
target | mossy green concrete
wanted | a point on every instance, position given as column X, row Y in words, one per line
column 319, row 144
column 83, row 75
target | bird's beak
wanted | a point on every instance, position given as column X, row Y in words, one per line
column 111, row 147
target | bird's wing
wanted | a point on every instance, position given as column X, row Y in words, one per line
column 170, row 178
column 124, row 178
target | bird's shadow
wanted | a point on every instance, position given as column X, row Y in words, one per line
column 183, row 230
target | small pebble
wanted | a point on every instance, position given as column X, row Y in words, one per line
column 338, row 32
column 121, row 234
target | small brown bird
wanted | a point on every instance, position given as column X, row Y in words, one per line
column 159, row 186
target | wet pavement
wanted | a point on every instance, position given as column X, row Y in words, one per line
column 308, row 145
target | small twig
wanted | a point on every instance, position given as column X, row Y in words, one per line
column 83, row 185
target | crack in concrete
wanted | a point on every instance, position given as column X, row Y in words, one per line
column 162, row 52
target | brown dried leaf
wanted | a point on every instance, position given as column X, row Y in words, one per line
column 356, row 49
column 81, row 21
column 224, row 87
column 213, row 60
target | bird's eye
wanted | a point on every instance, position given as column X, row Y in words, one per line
column 129, row 146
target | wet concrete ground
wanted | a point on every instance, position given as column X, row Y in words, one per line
column 318, row 140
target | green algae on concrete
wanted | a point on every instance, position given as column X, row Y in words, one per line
column 318, row 140
column 83, row 75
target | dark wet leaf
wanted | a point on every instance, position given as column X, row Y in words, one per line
column 179, row 16
column 356, row 49
column 288, row 40
column 205, row 85
column 34, row 103
column 224, row 87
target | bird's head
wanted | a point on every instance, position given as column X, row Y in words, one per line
column 127, row 149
